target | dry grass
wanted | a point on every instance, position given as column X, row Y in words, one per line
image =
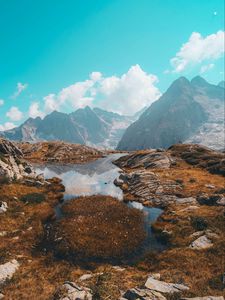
column 98, row 228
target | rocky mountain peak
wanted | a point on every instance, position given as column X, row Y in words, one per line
column 199, row 81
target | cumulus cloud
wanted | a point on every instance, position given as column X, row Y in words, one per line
column 20, row 87
column 197, row 50
column 2, row 102
column 206, row 68
column 125, row 94
column 7, row 126
column 14, row 114
column 34, row 110
column 130, row 92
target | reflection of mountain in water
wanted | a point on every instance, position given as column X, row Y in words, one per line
column 92, row 178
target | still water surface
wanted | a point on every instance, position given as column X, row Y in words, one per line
column 97, row 177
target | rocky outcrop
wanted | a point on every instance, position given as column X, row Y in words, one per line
column 150, row 159
column 154, row 290
column 12, row 165
column 7, row 270
column 71, row 291
column 60, row 152
column 199, row 156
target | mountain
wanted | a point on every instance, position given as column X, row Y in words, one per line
column 189, row 111
column 222, row 84
column 94, row 127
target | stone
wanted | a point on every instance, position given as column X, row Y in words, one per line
column 205, row 298
column 7, row 270
column 221, row 201
column 3, row 207
column 1, row 296
column 71, row 291
column 164, row 287
column 142, row 294
column 118, row 269
column 203, row 242
column 85, row 277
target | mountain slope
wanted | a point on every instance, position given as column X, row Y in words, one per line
column 95, row 127
column 171, row 119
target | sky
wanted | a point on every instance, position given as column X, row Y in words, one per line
column 120, row 55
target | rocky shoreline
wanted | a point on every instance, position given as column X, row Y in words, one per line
column 189, row 188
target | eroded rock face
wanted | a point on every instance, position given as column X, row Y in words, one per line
column 7, row 270
column 12, row 165
column 71, row 291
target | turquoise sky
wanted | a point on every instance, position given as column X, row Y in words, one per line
column 50, row 45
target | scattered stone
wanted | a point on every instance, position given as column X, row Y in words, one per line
column 210, row 186
column 221, row 201
column 202, row 242
column 7, row 270
column 118, row 269
column 3, row 207
column 142, row 294
column 1, row 296
column 71, row 291
column 164, row 287
column 85, row 277
column 205, row 298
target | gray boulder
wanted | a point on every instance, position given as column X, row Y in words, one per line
column 71, row 291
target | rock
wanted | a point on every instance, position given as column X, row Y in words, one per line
column 85, row 277
column 142, row 294
column 11, row 164
column 202, row 242
column 1, row 296
column 204, row 199
column 164, row 287
column 71, row 291
column 118, row 269
column 210, row 186
column 7, row 270
column 205, row 298
column 3, row 233
column 221, row 201
column 3, row 207
column 150, row 159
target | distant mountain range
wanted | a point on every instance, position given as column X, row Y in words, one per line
column 189, row 111
column 95, row 127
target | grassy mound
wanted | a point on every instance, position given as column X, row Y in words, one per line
column 97, row 228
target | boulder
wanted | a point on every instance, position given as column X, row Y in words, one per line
column 7, row 270
column 142, row 294
column 164, row 287
column 203, row 242
column 71, row 291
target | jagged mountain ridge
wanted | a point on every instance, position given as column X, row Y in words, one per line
column 86, row 126
column 189, row 111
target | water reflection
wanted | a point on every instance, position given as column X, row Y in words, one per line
column 86, row 179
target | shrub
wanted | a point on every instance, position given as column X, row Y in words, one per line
column 33, row 198
column 199, row 223
column 97, row 228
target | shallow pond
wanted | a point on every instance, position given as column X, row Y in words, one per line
column 98, row 177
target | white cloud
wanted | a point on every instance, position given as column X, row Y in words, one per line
column 95, row 76
column 2, row 102
column 20, row 87
column 126, row 94
column 7, row 126
column 197, row 50
column 34, row 110
column 14, row 114
column 130, row 92
column 206, row 68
